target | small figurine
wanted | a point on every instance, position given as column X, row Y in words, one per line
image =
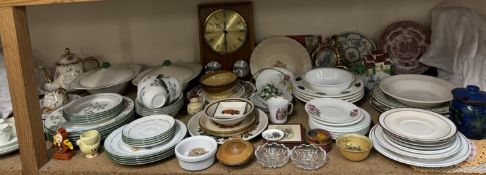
column 64, row 148
column 195, row 105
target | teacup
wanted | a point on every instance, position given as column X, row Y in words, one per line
column 54, row 97
column 151, row 93
column 89, row 137
column 173, row 86
column 5, row 130
column 11, row 122
column 279, row 108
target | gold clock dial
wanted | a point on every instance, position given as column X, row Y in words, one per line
column 225, row 31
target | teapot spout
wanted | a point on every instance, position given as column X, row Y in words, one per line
column 45, row 73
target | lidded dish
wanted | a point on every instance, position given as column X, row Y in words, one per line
column 468, row 111
column 108, row 79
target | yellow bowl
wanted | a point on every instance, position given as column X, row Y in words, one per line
column 218, row 81
column 354, row 147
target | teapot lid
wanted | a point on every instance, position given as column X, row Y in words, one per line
column 470, row 95
column 68, row 58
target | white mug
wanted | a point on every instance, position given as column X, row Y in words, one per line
column 5, row 130
column 279, row 108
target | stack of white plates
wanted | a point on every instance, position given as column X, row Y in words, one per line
column 339, row 117
column 56, row 120
column 420, row 138
column 94, row 108
column 149, row 131
column 171, row 109
column 383, row 102
column 352, row 94
column 122, row 153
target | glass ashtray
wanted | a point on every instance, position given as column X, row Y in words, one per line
column 308, row 157
column 272, row 155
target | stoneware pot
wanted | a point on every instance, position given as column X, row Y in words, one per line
column 468, row 111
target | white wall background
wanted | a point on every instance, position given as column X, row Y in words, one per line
column 149, row 31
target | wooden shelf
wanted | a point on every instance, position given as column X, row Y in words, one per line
column 10, row 164
column 10, row 3
column 374, row 164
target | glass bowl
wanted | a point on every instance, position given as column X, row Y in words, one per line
column 308, row 157
column 272, row 155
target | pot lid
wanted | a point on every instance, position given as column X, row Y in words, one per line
column 68, row 58
column 108, row 76
column 470, row 95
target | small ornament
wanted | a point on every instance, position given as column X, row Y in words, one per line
column 195, row 105
column 64, row 147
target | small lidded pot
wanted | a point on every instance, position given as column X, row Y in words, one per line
column 321, row 138
column 468, row 111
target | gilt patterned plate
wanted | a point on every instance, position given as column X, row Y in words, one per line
column 406, row 42
column 354, row 46
column 281, row 52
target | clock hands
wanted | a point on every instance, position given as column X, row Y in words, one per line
column 225, row 32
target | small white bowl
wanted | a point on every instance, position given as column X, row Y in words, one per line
column 200, row 162
column 328, row 80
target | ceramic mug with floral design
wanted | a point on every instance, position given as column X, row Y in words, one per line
column 279, row 109
column 151, row 93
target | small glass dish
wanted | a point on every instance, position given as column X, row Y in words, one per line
column 308, row 157
column 272, row 155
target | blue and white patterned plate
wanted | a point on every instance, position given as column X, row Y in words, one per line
column 354, row 46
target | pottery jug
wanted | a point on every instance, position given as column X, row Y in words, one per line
column 69, row 67
column 468, row 111
column 89, row 142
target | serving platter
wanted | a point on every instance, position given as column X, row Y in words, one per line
column 406, row 42
column 252, row 132
column 417, row 125
column 281, row 52
column 385, row 103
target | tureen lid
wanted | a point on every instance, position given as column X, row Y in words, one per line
column 470, row 95
column 108, row 76
column 68, row 58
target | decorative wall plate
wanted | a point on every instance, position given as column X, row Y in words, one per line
column 354, row 46
column 406, row 42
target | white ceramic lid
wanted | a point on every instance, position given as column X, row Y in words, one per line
column 184, row 72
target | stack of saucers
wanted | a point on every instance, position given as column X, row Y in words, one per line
column 417, row 91
column 328, row 83
column 337, row 116
column 171, row 109
column 122, row 153
column 149, row 131
column 420, row 138
column 94, row 108
column 56, row 120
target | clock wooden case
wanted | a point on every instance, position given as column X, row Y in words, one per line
column 226, row 33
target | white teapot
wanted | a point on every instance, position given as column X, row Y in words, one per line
column 68, row 67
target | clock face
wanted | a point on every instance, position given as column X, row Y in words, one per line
column 225, row 31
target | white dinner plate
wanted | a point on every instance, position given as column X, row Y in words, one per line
column 364, row 123
column 148, row 127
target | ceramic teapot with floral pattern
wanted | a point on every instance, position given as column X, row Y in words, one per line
column 68, row 67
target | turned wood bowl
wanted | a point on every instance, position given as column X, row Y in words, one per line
column 235, row 152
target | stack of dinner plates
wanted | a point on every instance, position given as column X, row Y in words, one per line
column 337, row 116
column 410, row 90
column 56, row 120
column 171, row 109
column 351, row 94
column 149, row 131
column 420, row 138
column 94, row 108
column 122, row 153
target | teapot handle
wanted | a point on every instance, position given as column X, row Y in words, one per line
column 90, row 59
column 45, row 73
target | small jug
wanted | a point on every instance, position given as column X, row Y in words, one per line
column 89, row 142
column 279, row 108
column 55, row 97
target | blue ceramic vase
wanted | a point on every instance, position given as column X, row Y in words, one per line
column 468, row 111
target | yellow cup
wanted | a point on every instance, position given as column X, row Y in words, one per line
column 90, row 137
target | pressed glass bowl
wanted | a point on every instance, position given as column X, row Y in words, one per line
column 272, row 155
column 308, row 157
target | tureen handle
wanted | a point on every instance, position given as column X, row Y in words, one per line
column 90, row 59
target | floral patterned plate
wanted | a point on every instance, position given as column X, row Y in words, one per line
column 406, row 42
column 281, row 52
column 330, row 110
column 259, row 127
column 279, row 77
column 354, row 46
column 94, row 104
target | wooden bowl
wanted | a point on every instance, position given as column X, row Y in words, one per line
column 235, row 152
column 218, row 81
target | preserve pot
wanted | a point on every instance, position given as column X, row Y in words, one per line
column 468, row 111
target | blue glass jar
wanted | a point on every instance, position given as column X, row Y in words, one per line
column 468, row 111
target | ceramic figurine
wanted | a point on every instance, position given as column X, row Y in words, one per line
column 468, row 111
column 64, row 147
column 68, row 67
column 89, row 142
column 376, row 67
column 195, row 105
